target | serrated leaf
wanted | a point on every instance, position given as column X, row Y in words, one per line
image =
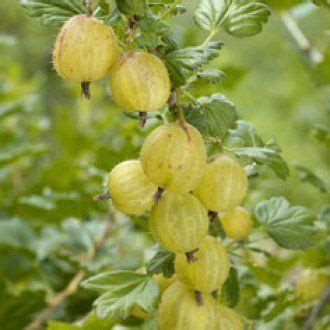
column 307, row 175
column 182, row 61
column 230, row 289
column 289, row 226
column 161, row 262
column 251, row 146
column 213, row 115
column 122, row 291
column 213, row 76
column 151, row 29
column 53, row 12
column 240, row 18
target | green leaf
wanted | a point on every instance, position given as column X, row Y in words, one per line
column 289, row 226
column 132, row 7
column 213, row 116
column 230, row 289
column 240, row 18
column 182, row 61
column 151, row 29
column 307, row 175
column 122, row 291
column 283, row 4
column 53, row 12
column 16, row 233
column 322, row 134
column 161, row 262
column 213, row 76
column 265, row 275
column 253, row 147
column 15, row 152
column 18, row 311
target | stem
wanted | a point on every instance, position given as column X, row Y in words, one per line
column 168, row 11
column 313, row 55
column 209, row 38
column 73, row 285
column 309, row 323
column 57, row 300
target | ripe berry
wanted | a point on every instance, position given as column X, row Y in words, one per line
column 84, row 51
column 130, row 189
column 174, row 157
column 223, row 185
column 228, row 319
column 140, row 82
column 179, row 310
column 210, row 269
column 311, row 284
column 178, row 222
column 236, row 223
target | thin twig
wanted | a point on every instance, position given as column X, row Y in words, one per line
column 73, row 285
column 313, row 55
column 309, row 323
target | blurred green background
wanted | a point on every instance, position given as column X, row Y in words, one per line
column 56, row 148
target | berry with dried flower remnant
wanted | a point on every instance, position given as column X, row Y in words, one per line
column 130, row 189
column 174, row 157
column 210, row 269
column 178, row 222
column 179, row 310
column 140, row 82
column 223, row 185
column 236, row 223
column 85, row 50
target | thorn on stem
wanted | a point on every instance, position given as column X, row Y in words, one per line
column 103, row 196
column 212, row 216
column 85, row 89
column 199, row 298
column 143, row 119
column 190, row 256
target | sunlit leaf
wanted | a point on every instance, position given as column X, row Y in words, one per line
column 240, row 18
column 290, row 226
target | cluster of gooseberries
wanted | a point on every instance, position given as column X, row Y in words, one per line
column 172, row 178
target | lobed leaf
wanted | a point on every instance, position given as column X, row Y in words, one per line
column 251, row 145
column 182, row 61
column 213, row 116
column 123, row 290
column 161, row 262
column 53, row 12
column 289, row 226
column 240, row 18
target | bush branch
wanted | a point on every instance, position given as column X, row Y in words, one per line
column 304, row 45
column 73, row 285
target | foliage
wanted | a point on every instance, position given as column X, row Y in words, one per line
column 56, row 151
